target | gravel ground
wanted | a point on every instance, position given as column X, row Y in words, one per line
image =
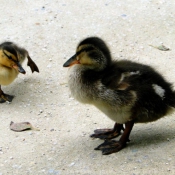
column 50, row 31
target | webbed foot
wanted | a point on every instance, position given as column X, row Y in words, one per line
column 6, row 98
column 110, row 146
column 108, row 133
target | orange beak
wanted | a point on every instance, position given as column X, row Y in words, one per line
column 73, row 60
column 19, row 68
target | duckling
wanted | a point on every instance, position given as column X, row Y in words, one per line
column 125, row 91
column 11, row 58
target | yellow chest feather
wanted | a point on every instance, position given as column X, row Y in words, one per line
column 7, row 75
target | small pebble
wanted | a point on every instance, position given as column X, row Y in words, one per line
column 72, row 164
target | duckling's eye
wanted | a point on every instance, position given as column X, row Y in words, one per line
column 9, row 57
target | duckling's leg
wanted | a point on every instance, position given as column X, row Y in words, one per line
column 112, row 146
column 108, row 133
column 4, row 97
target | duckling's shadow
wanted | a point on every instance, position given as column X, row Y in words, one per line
column 138, row 140
column 24, row 89
column 156, row 136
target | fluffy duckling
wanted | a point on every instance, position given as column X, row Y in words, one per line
column 127, row 92
column 11, row 58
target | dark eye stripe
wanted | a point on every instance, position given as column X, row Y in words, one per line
column 10, row 49
column 87, row 49
column 9, row 57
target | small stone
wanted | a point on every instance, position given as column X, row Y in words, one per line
column 72, row 164
column 124, row 15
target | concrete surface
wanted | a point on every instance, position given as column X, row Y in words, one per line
column 50, row 31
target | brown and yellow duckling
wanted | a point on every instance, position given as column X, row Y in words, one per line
column 127, row 92
column 11, row 58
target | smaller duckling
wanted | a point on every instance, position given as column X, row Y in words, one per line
column 11, row 58
column 125, row 91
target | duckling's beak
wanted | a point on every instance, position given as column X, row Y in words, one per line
column 73, row 60
column 19, row 68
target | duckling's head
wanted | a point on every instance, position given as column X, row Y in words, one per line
column 10, row 57
column 92, row 53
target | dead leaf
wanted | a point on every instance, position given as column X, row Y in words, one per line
column 22, row 126
column 161, row 47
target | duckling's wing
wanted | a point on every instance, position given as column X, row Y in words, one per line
column 149, row 85
column 115, row 79
column 32, row 65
